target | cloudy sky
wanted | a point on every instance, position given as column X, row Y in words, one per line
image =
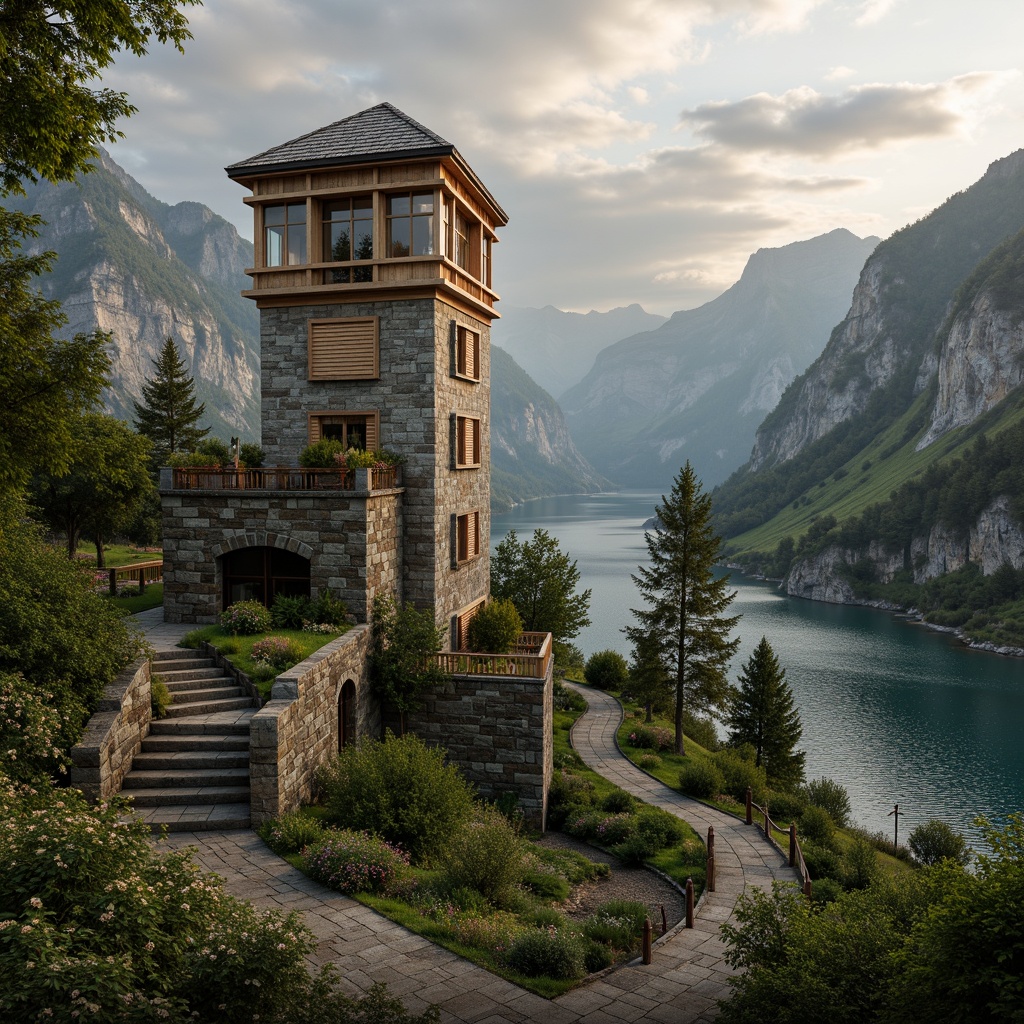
column 641, row 148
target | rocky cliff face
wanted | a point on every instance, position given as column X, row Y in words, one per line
column 145, row 271
column 995, row 538
column 697, row 387
column 885, row 345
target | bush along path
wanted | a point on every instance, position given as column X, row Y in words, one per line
column 683, row 984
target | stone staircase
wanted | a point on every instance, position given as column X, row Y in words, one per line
column 192, row 773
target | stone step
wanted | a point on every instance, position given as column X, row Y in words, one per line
column 195, row 742
column 214, row 753
column 197, row 817
column 183, row 656
column 210, row 671
column 207, row 707
column 184, row 727
column 184, row 777
column 209, row 683
column 168, row 796
column 199, row 693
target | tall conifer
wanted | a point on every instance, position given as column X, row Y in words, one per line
column 685, row 621
column 763, row 714
column 168, row 413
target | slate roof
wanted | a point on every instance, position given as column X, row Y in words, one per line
column 380, row 132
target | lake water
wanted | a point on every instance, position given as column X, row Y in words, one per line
column 896, row 712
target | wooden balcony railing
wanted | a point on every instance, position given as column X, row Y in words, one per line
column 143, row 572
column 530, row 658
column 279, row 478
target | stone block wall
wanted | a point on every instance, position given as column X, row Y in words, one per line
column 114, row 735
column 352, row 540
column 297, row 729
column 498, row 731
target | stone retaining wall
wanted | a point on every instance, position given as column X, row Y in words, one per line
column 498, row 731
column 297, row 729
column 114, row 735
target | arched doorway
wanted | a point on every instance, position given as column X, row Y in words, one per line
column 347, row 714
column 261, row 573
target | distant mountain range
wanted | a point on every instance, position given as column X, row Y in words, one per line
column 697, row 386
column 132, row 265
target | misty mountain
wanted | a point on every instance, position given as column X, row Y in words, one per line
column 145, row 271
column 698, row 386
column 558, row 348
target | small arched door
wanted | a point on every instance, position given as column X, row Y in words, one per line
column 347, row 714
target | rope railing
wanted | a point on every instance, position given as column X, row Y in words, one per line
column 796, row 854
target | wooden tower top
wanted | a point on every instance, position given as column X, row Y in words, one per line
column 369, row 207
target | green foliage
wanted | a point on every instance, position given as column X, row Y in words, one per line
column 35, row 733
column 540, row 580
column 289, row 611
column 486, row 854
column 546, row 885
column 291, row 833
column 322, row 454
column 279, row 652
column 685, row 618
column 741, row 773
column 556, row 953
column 650, row 683
column 495, row 628
column 217, row 451
column 647, row 737
column 816, row 824
column 701, row 778
column 763, row 714
column 618, row 801
column 160, row 697
column 245, row 618
column 251, row 455
column 830, row 796
column 400, row 789
column 327, row 609
column 649, row 762
column 351, row 862
column 54, row 629
column 860, row 865
column 617, row 923
column 168, row 414
column 46, row 383
column 701, row 730
column 785, row 806
column 566, row 699
column 104, row 488
column 934, row 841
column 607, row 670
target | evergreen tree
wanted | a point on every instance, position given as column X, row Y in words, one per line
column 650, row 685
column 763, row 714
column 685, row 622
column 168, row 413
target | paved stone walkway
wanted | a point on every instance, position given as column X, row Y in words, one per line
column 682, row 985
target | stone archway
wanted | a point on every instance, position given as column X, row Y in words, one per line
column 260, row 565
column 346, row 714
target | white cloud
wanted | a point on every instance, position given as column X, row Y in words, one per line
column 873, row 11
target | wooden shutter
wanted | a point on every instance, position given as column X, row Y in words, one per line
column 344, row 349
column 315, row 433
column 462, row 621
column 468, row 441
column 372, row 439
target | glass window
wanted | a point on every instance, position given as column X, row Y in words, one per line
column 411, row 224
column 348, row 235
column 284, row 230
column 462, row 230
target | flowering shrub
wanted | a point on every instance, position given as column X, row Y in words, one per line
column 31, row 727
column 651, row 738
column 618, row 923
column 614, row 828
column 355, row 862
column 553, row 952
column 485, row 854
column 649, row 762
column 245, row 618
column 495, row 932
column 582, row 824
column 317, row 627
column 278, row 652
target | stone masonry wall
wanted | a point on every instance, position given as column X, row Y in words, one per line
column 297, row 729
column 103, row 757
column 352, row 540
column 498, row 731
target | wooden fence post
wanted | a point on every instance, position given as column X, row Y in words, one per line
column 711, row 858
column 648, row 929
column 664, row 920
column 767, row 821
column 792, row 844
column 112, row 577
column 750, row 808
column 689, row 903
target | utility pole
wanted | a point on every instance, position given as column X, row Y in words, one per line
column 895, row 815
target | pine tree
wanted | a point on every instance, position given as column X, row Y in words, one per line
column 763, row 714
column 168, row 413
column 685, row 620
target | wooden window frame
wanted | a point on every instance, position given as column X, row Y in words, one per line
column 285, row 224
column 460, row 621
column 356, row 269
column 435, row 216
column 372, row 322
column 315, row 433
column 461, row 337
column 465, row 537
column 457, row 439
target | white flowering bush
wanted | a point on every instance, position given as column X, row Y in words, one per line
column 32, row 726
column 246, row 618
column 278, row 652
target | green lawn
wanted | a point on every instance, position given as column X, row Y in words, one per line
column 151, row 598
column 115, row 555
column 238, row 649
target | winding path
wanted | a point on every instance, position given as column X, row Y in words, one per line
column 683, row 984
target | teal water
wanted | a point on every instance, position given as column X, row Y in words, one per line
column 896, row 712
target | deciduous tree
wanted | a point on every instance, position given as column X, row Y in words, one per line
column 105, row 487
column 763, row 714
column 168, row 414
column 541, row 580
column 685, row 620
